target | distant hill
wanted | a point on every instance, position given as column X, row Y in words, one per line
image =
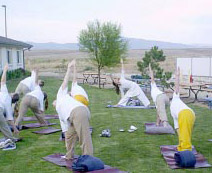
column 134, row 43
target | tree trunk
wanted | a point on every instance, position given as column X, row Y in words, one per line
column 99, row 76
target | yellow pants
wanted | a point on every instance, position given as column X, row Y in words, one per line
column 186, row 121
column 81, row 99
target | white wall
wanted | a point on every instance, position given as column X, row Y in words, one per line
column 195, row 66
column 3, row 58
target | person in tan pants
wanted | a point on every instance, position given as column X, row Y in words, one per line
column 160, row 99
column 33, row 100
column 74, row 119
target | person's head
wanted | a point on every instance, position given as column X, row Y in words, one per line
column 15, row 97
column 46, row 100
column 41, row 83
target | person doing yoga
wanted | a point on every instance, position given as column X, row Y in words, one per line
column 133, row 90
column 74, row 119
column 183, row 116
column 35, row 101
column 160, row 99
column 6, row 115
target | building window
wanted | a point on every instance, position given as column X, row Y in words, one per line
column 9, row 57
column 18, row 57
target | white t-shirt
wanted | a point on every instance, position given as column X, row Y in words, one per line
column 6, row 102
column 133, row 88
column 64, row 106
column 30, row 81
column 38, row 94
column 155, row 91
column 176, row 106
column 78, row 90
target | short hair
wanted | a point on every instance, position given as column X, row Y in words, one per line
column 41, row 83
column 116, row 87
column 15, row 97
column 45, row 95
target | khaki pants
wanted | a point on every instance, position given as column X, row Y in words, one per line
column 4, row 127
column 79, row 129
column 161, row 102
column 22, row 89
column 32, row 103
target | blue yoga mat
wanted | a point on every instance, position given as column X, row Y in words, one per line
column 131, row 107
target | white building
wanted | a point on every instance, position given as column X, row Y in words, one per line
column 12, row 52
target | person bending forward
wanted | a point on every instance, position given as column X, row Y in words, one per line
column 35, row 101
column 6, row 113
column 133, row 90
column 184, row 118
column 74, row 119
column 161, row 101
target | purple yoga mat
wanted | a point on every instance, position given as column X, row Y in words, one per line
column 47, row 131
column 151, row 128
column 56, row 159
column 34, row 125
column 168, row 152
column 46, row 117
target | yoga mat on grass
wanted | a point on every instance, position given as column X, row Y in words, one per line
column 46, row 117
column 56, row 159
column 151, row 128
column 130, row 107
column 35, row 125
column 168, row 152
column 47, row 131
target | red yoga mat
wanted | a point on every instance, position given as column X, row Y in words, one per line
column 56, row 159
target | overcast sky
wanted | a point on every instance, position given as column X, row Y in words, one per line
column 181, row 21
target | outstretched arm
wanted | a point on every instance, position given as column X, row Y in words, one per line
column 122, row 67
column 151, row 74
column 4, row 75
column 35, row 71
column 67, row 75
column 75, row 72
column 177, row 80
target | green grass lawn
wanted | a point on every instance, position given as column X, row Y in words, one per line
column 133, row 152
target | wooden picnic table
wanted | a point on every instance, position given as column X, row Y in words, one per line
column 94, row 76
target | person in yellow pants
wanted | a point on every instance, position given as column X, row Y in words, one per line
column 184, row 118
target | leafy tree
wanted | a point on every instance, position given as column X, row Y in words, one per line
column 153, row 57
column 104, row 42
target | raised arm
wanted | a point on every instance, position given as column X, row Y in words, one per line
column 75, row 72
column 67, row 75
column 122, row 67
column 177, row 80
column 151, row 74
column 4, row 75
column 35, row 71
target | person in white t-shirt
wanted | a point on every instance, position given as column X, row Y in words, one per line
column 183, row 116
column 74, row 119
column 133, row 90
column 77, row 92
column 35, row 101
column 161, row 101
column 6, row 115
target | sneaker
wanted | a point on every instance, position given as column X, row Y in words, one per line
column 106, row 133
column 5, row 143
column 10, row 146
